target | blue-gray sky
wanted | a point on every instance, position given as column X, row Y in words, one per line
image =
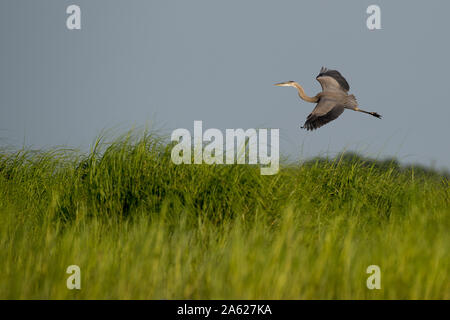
column 168, row 63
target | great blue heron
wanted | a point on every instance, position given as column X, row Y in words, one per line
column 331, row 102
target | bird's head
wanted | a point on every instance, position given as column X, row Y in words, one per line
column 285, row 84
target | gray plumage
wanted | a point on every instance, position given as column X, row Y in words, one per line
column 325, row 111
column 336, row 75
column 331, row 102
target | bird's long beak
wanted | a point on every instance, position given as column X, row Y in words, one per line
column 284, row 84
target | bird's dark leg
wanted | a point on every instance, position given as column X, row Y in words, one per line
column 376, row 115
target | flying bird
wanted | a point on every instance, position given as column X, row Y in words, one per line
column 331, row 102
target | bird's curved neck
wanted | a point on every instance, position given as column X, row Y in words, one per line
column 304, row 96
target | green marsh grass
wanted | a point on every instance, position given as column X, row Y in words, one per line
column 141, row 227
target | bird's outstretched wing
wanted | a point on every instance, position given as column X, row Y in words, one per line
column 332, row 79
column 326, row 110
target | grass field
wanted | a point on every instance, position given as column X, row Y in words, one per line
column 140, row 227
